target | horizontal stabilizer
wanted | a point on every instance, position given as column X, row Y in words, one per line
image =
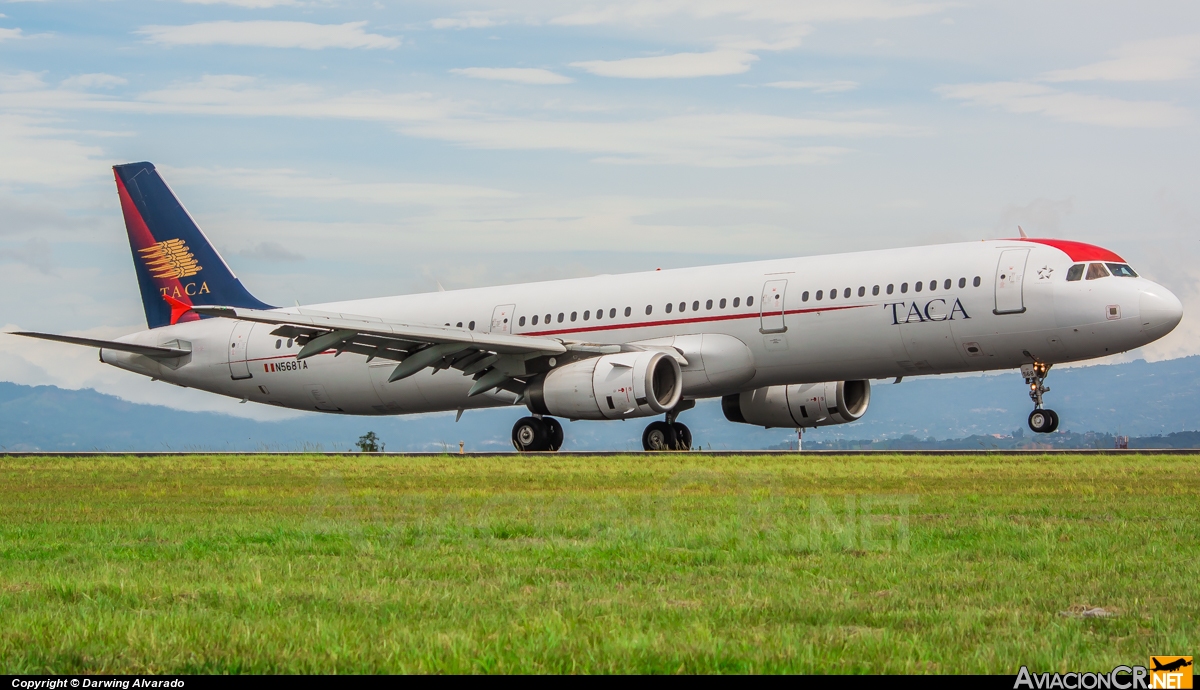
column 156, row 352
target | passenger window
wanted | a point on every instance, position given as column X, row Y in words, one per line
column 696, row 306
column 289, row 342
column 1096, row 271
column 682, row 307
column 612, row 313
column 833, row 294
column 279, row 343
column 804, row 296
column 721, row 304
column 708, row 305
column 458, row 325
column 976, row 281
column 947, row 285
column 599, row 314
column 737, row 301
column 1122, row 271
column 820, row 294
column 962, row 282
column 574, row 315
column 628, row 310
column 918, row 286
column 1075, row 272
column 669, row 307
column 560, row 317
column 548, row 319
column 471, row 326
column 535, row 320
column 889, row 288
column 649, row 309
column 903, row 288
column 521, row 322
column 749, row 301
column 587, row 314
column 846, row 294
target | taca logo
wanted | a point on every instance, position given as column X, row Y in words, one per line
column 933, row 310
column 170, row 259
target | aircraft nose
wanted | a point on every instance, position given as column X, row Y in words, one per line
column 1160, row 310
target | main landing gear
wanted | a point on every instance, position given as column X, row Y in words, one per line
column 1041, row 421
column 669, row 434
column 532, row 434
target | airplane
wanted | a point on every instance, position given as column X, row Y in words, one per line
column 791, row 343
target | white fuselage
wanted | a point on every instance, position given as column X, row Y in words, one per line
column 769, row 306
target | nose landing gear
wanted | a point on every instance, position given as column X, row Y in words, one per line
column 1041, row 421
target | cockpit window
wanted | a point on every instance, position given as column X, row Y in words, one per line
column 1096, row 271
column 1122, row 270
column 1075, row 272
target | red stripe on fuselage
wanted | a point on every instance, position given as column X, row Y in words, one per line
column 677, row 322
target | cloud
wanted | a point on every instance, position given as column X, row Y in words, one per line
column 679, row 65
column 521, row 75
column 1022, row 97
column 289, row 184
column 34, row 153
column 466, row 20
column 35, row 253
column 1161, row 59
column 271, row 251
column 249, row 4
column 816, row 86
column 21, row 81
column 94, row 80
column 641, row 12
column 269, row 34
column 712, row 140
column 6, row 34
column 1040, row 217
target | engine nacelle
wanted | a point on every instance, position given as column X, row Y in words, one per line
column 618, row 386
column 800, row 406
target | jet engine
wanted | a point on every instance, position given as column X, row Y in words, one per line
column 799, row 406
column 617, row 386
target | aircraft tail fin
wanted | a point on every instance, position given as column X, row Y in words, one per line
column 176, row 265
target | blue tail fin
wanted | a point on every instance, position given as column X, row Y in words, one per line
column 171, row 255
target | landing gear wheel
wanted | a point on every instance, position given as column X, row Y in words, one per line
column 683, row 437
column 1043, row 421
column 659, row 436
column 531, row 434
column 556, row 432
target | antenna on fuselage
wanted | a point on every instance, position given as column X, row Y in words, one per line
column 1022, row 231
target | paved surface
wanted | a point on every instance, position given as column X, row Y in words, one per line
column 581, row 453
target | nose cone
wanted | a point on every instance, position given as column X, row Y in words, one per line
column 1160, row 310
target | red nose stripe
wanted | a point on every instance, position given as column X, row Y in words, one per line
column 1078, row 251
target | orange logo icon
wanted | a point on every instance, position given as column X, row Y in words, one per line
column 1171, row 672
column 170, row 259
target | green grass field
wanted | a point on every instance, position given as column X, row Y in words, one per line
column 640, row 563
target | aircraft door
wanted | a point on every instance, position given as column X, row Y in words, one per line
column 771, row 310
column 502, row 318
column 239, row 343
column 1010, row 278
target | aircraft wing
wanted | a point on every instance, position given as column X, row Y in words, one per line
column 496, row 360
column 147, row 350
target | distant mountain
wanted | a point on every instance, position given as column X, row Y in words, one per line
column 1137, row 399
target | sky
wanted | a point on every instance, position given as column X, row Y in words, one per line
column 339, row 150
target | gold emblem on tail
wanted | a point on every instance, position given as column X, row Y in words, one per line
column 170, row 259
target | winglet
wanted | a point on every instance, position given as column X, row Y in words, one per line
column 1022, row 231
column 178, row 308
